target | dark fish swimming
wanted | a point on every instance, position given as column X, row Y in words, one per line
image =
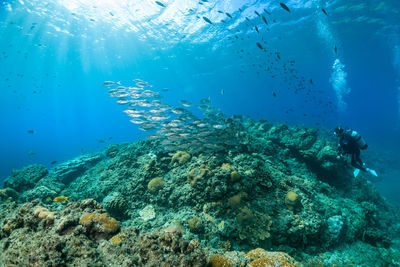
column 255, row 27
column 335, row 49
column 160, row 4
column 207, row 20
column 53, row 162
column 260, row 46
column 229, row 15
column 323, row 10
column 264, row 19
column 30, row 131
column 269, row 13
column 274, row 94
column 284, row 7
column 258, row 14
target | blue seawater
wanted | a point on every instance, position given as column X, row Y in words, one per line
column 310, row 69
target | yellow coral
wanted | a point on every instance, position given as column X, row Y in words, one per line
column 261, row 258
column 220, row 261
column 291, row 200
column 180, row 157
column 108, row 224
column 226, row 167
column 117, row 239
column 155, row 184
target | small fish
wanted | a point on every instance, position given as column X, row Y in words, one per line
column 110, row 83
column 285, row 7
column 264, row 19
column 160, row 4
column 205, row 101
column 255, row 27
column 219, row 11
column 111, row 13
column 260, row 46
column 311, row 81
column 258, row 14
column 323, row 10
column 335, row 49
column 267, row 12
column 222, row 91
column 207, row 20
column 53, row 162
column 60, row 199
column 30, row 131
column 229, row 15
column 247, row 19
column 185, row 103
column 274, row 94
column 101, row 141
column 31, row 153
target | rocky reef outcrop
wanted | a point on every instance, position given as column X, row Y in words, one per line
column 275, row 187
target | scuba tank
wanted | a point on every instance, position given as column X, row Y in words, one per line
column 359, row 140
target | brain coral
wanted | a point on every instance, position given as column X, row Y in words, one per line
column 155, row 184
column 180, row 157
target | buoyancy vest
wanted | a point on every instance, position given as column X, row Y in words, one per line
column 358, row 139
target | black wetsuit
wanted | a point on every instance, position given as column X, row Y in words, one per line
column 347, row 145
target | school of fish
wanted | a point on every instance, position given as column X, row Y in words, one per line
column 176, row 128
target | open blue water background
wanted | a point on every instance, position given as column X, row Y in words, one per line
column 54, row 55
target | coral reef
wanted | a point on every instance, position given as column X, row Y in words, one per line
column 274, row 187
column 22, row 180
column 65, row 242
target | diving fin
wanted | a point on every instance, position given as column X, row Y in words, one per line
column 373, row 172
column 356, row 172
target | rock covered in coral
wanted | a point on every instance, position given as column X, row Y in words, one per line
column 116, row 204
column 70, row 170
column 278, row 187
column 65, row 238
column 255, row 258
column 26, row 178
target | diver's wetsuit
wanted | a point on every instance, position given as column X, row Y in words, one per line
column 348, row 145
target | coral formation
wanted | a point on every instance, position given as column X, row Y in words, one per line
column 99, row 225
column 291, row 200
column 198, row 173
column 274, row 187
column 180, row 157
column 155, row 184
column 147, row 213
column 196, row 225
column 22, row 180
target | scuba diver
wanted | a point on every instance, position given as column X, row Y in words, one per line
column 351, row 142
